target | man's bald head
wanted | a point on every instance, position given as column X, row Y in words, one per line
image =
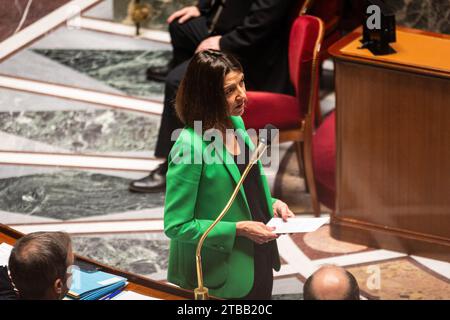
column 331, row 283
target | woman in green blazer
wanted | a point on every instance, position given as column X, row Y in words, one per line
column 204, row 166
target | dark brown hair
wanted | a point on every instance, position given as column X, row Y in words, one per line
column 201, row 96
column 37, row 261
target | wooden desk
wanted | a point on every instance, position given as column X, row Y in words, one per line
column 393, row 144
column 137, row 284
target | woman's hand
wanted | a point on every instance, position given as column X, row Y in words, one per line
column 281, row 210
column 256, row 231
column 184, row 14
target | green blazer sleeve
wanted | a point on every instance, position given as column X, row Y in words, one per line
column 273, row 201
column 180, row 219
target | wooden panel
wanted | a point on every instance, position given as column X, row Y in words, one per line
column 394, row 148
column 374, row 237
column 393, row 155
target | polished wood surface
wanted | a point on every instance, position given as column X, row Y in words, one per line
column 412, row 49
column 336, row 53
column 393, row 155
column 137, row 283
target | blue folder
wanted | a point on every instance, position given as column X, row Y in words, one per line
column 94, row 285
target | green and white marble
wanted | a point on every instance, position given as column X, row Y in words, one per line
column 124, row 70
column 134, row 253
column 85, row 131
column 71, row 194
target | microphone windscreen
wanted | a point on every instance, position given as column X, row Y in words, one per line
column 266, row 138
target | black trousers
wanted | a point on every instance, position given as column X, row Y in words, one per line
column 263, row 273
column 185, row 39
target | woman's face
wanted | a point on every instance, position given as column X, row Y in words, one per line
column 235, row 93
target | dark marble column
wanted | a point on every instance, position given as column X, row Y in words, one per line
column 11, row 12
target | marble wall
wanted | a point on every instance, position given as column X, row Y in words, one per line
column 161, row 11
column 429, row 15
column 11, row 13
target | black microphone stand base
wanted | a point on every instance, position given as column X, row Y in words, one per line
column 377, row 48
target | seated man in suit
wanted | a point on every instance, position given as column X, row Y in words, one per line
column 255, row 31
column 331, row 283
column 38, row 267
column 6, row 288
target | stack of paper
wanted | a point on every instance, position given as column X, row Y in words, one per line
column 131, row 295
column 297, row 225
column 94, row 285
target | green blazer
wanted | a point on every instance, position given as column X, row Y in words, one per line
column 195, row 195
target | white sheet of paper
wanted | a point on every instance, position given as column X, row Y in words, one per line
column 5, row 252
column 109, row 281
column 131, row 295
column 297, row 225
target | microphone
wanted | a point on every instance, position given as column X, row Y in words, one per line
column 264, row 142
column 201, row 292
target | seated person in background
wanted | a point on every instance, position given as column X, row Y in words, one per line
column 331, row 283
column 6, row 288
column 38, row 267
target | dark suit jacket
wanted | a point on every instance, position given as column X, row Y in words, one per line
column 257, row 32
column 6, row 289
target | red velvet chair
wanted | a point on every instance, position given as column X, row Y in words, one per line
column 294, row 115
column 324, row 161
column 330, row 12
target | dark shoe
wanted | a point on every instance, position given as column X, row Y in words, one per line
column 158, row 73
column 154, row 182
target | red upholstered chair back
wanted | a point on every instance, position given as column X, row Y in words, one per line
column 304, row 45
column 327, row 10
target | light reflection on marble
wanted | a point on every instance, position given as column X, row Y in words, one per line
column 70, row 194
column 30, row 65
column 18, row 101
column 83, row 39
column 135, row 253
column 123, row 70
column 87, row 131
